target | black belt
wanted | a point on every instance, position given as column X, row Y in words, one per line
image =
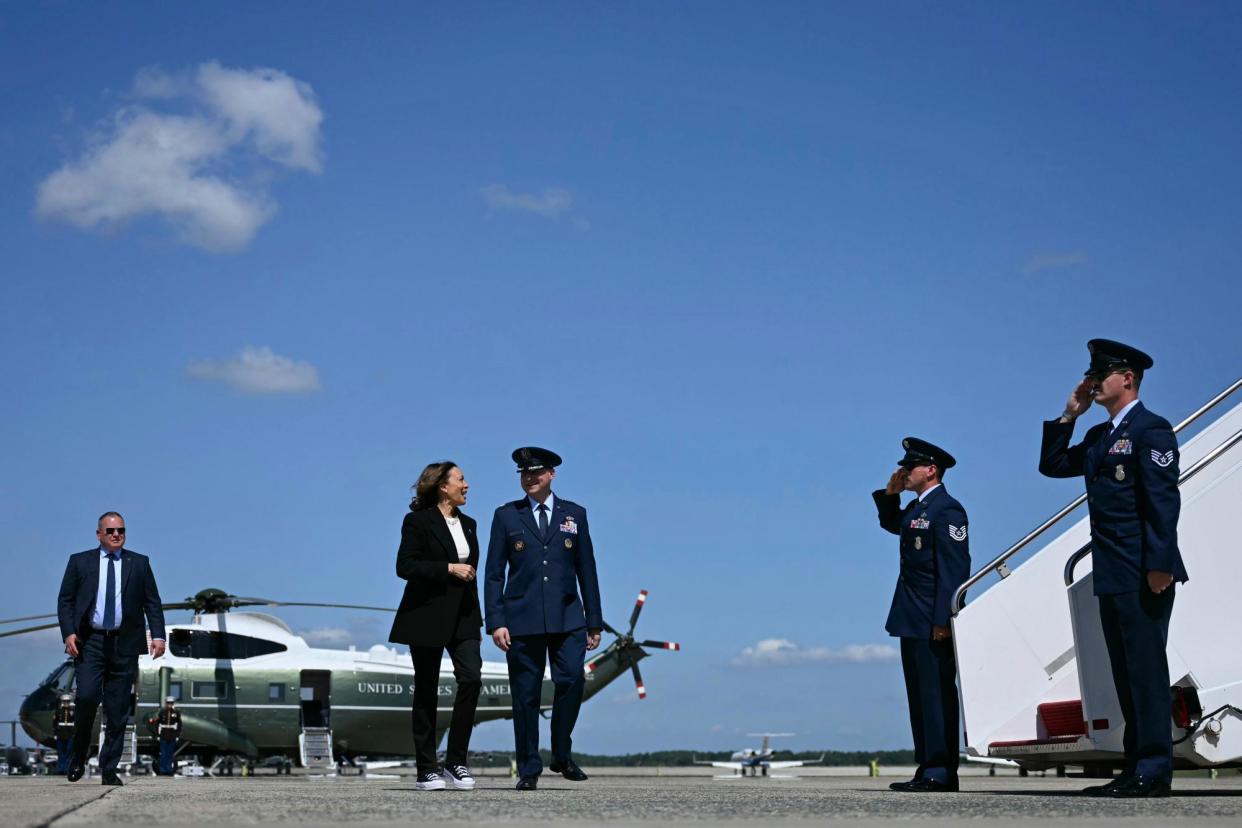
column 105, row 633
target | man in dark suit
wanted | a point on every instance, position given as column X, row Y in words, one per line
column 539, row 554
column 106, row 594
column 1130, row 463
column 935, row 560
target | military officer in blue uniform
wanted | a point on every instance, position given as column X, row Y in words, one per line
column 1130, row 462
column 935, row 560
column 538, row 557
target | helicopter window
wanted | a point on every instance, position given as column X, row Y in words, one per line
column 210, row 644
column 174, row 690
column 208, row 689
column 61, row 678
column 275, row 692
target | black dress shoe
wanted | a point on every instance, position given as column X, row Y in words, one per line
column 1107, row 788
column 75, row 772
column 528, row 783
column 568, row 770
column 1141, row 787
column 930, row 786
column 901, row 786
column 113, row 780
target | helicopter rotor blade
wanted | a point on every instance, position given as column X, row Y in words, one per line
column 660, row 645
column 611, row 629
column 638, row 608
column 638, row 680
column 266, row 603
column 29, row 629
column 28, row 618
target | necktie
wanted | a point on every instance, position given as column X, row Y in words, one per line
column 109, row 616
column 543, row 519
column 1101, row 448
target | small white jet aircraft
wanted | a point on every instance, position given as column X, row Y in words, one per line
column 759, row 762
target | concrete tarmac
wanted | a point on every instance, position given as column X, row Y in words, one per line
column 619, row 800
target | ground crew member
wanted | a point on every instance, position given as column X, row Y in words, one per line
column 1130, row 463
column 63, row 725
column 539, row 555
column 169, row 724
column 935, row 560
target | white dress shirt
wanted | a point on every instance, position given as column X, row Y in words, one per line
column 534, row 507
column 924, row 495
column 101, row 596
column 1121, row 415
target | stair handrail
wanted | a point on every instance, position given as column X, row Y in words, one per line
column 1186, row 475
column 959, row 597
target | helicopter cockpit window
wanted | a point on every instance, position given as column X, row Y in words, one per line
column 61, row 678
column 211, row 644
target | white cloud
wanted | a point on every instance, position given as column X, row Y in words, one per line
column 328, row 637
column 259, row 371
column 550, row 204
column 1053, row 261
column 203, row 169
column 277, row 111
column 780, row 652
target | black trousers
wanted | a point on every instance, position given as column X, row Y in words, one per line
column 468, row 670
column 1136, row 630
column 107, row 678
column 930, row 669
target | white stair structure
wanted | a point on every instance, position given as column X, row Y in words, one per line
column 1035, row 680
column 129, row 747
column 315, row 747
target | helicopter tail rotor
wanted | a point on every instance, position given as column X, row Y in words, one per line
column 627, row 651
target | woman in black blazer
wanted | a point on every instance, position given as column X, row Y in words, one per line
column 439, row 558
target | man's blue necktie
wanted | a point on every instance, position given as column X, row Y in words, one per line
column 109, row 616
column 543, row 519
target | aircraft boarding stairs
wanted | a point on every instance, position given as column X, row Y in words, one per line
column 1036, row 686
column 315, row 747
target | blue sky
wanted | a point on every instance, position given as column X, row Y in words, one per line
column 264, row 262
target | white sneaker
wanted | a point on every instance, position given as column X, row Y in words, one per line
column 429, row 782
column 461, row 777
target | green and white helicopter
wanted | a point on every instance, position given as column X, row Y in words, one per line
column 247, row 685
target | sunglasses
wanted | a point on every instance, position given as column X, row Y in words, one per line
column 112, row 530
column 1105, row 373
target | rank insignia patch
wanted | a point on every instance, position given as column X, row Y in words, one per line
column 1163, row 460
column 958, row 533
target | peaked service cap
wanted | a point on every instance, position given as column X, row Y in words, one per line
column 922, row 453
column 1107, row 355
column 533, row 458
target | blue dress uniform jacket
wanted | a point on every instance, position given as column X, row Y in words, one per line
column 935, row 559
column 531, row 582
column 1131, row 474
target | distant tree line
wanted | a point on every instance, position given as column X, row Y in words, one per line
column 682, row 758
